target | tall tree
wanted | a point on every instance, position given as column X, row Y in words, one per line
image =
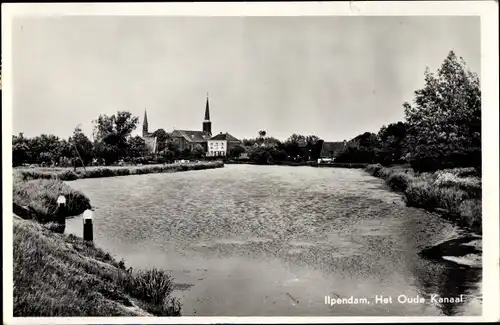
column 444, row 122
column 236, row 151
column 44, row 148
column 137, row 147
column 161, row 139
column 81, row 145
column 198, row 151
column 111, row 134
column 392, row 138
column 20, row 150
column 367, row 140
column 248, row 142
column 293, row 145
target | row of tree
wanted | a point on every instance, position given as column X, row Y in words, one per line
column 442, row 128
column 266, row 150
column 112, row 142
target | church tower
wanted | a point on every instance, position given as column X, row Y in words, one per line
column 207, row 125
column 145, row 132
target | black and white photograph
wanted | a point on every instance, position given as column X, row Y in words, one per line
column 250, row 163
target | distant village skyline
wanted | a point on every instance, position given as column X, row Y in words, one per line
column 284, row 75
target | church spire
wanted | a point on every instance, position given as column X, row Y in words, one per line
column 207, row 125
column 207, row 111
column 145, row 124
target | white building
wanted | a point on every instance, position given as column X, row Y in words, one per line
column 219, row 145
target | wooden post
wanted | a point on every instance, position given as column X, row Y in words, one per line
column 62, row 212
column 87, row 226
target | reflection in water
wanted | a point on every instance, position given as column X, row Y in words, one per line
column 243, row 239
column 449, row 280
column 439, row 277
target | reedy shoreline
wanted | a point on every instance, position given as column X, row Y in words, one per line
column 455, row 194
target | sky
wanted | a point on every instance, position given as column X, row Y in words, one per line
column 331, row 76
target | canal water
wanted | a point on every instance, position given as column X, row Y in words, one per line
column 248, row 240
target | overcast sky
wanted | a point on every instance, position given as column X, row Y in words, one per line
column 335, row 77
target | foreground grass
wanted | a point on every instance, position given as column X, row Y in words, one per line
column 456, row 192
column 67, row 174
column 61, row 275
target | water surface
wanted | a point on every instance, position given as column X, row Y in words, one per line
column 248, row 240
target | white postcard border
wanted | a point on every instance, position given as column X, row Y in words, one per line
column 487, row 10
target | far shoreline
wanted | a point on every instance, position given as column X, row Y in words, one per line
column 68, row 174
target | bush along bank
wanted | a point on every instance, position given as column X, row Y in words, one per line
column 63, row 275
column 67, row 174
column 455, row 193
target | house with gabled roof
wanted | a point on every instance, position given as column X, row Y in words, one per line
column 221, row 144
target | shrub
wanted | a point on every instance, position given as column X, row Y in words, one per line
column 464, row 172
column 153, row 287
column 99, row 172
column 450, row 198
column 399, row 180
column 67, row 175
column 471, row 210
column 419, row 193
column 28, row 175
column 374, row 169
column 447, row 179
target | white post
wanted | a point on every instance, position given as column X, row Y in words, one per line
column 87, row 226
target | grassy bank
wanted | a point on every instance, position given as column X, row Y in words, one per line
column 67, row 174
column 38, row 198
column 61, row 275
column 454, row 192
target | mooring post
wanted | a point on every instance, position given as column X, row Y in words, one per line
column 87, row 226
column 61, row 214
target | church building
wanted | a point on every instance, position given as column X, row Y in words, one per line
column 185, row 139
column 188, row 139
column 149, row 138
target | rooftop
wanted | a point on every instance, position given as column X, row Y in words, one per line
column 224, row 136
column 191, row 136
